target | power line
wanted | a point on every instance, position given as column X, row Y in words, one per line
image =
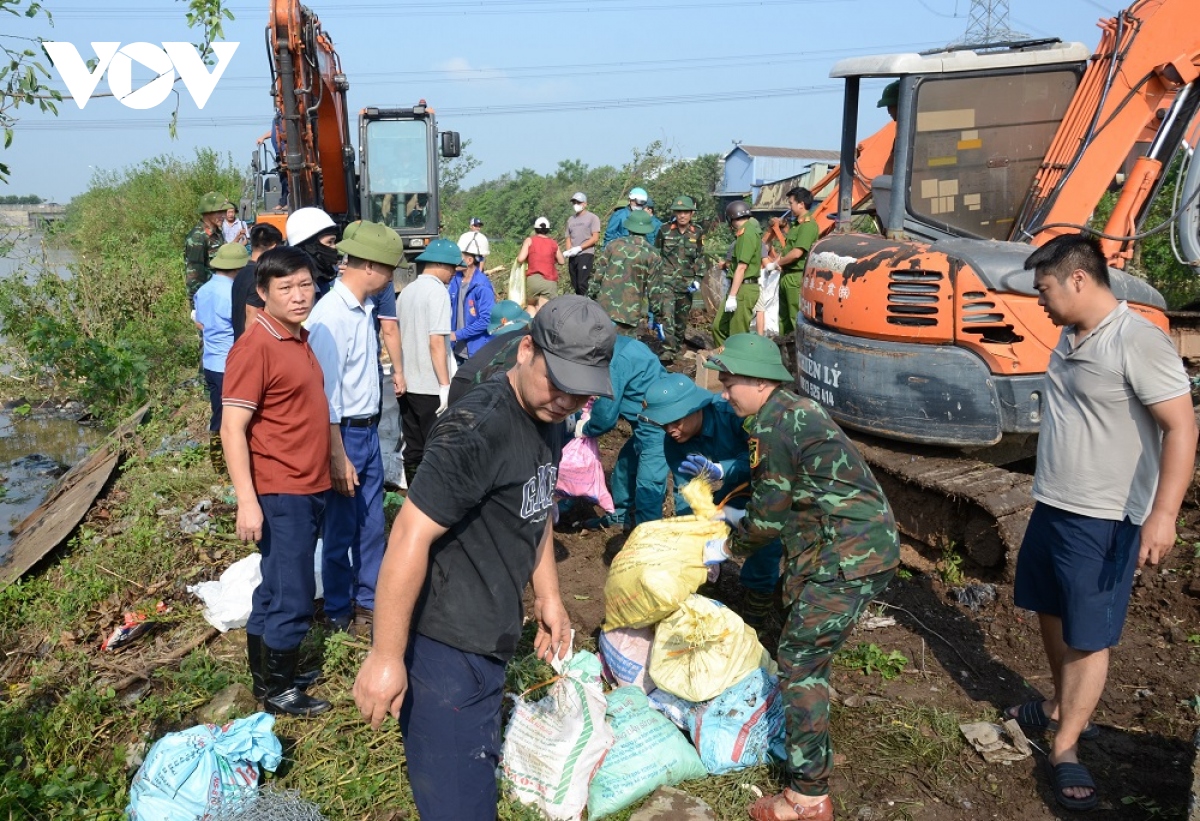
column 463, row 112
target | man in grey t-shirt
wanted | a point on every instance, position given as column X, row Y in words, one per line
column 1115, row 456
column 583, row 232
column 423, row 310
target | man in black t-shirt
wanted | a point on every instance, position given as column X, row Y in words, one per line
column 475, row 529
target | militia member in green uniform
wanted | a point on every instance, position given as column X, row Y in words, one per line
column 681, row 245
column 811, row 489
column 738, row 316
column 800, row 237
column 204, row 241
column 624, row 272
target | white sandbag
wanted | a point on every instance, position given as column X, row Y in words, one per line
column 625, row 652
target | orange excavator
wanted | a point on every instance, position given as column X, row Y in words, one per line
column 929, row 331
column 395, row 177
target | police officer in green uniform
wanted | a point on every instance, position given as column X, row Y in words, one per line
column 738, row 316
column 203, row 241
column 681, row 245
column 800, row 238
column 624, row 272
column 811, row 488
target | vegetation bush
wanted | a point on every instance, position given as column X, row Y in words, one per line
column 116, row 328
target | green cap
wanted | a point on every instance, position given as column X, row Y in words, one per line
column 639, row 222
column 212, row 202
column 510, row 312
column 232, row 256
column 750, row 355
column 442, row 251
column 684, row 203
column 890, row 96
column 672, row 397
column 373, row 242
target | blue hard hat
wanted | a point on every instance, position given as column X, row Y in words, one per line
column 443, row 251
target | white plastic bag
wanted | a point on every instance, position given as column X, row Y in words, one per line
column 741, row 727
column 227, row 601
column 516, row 283
column 554, row 745
column 187, row 775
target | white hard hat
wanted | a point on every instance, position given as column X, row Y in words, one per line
column 305, row 223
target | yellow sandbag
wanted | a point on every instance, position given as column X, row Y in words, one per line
column 703, row 649
column 661, row 564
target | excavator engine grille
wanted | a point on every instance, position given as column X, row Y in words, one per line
column 914, row 297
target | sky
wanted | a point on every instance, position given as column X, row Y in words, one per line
column 528, row 82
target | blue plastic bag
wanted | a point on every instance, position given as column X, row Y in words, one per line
column 187, row 775
column 742, row 727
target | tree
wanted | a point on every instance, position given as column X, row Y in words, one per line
column 24, row 76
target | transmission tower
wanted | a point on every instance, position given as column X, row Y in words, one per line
column 989, row 24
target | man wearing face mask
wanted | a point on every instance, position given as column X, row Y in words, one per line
column 583, row 234
column 314, row 232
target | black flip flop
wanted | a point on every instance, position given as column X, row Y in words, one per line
column 1069, row 774
column 1032, row 716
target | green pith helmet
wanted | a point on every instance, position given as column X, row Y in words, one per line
column 507, row 311
column 442, row 251
column 890, row 95
column 212, row 202
column 639, row 222
column 673, row 397
column 373, row 242
column 232, row 256
column 684, row 203
column 750, row 355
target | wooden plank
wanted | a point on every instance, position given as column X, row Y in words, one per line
column 47, row 527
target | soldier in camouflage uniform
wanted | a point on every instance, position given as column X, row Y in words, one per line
column 624, row 271
column 204, row 241
column 811, row 489
column 681, row 245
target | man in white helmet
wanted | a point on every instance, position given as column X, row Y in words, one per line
column 616, row 222
column 474, row 241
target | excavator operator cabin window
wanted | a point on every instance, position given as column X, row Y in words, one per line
column 977, row 144
column 398, row 174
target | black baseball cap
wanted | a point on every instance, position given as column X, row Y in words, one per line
column 577, row 339
column 476, row 221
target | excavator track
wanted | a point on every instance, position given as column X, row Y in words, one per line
column 943, row 498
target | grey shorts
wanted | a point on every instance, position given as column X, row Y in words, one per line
column 538, row 287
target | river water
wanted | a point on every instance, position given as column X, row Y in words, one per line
column 36, row 447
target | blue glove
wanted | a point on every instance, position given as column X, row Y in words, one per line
column 698, row 465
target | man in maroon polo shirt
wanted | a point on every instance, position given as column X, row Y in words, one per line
column 275, row 429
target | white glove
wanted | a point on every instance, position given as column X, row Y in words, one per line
column 731, row 304
column 443, row 399
column 573, row 251
column 715, row 551
column 771, row 267
column 583, row 420
column 733, row 516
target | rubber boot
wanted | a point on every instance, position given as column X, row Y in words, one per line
column 216, row 455
column 283, row 696
column 254, row 650
column 756, row 606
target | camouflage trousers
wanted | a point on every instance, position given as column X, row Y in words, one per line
column 817, row 626
column 674, row 308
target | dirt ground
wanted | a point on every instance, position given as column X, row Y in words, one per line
column 971, row 665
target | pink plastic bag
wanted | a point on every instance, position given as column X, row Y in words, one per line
column 581, row 474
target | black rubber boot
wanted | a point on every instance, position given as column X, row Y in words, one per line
column 254, row 650
column 283, row 696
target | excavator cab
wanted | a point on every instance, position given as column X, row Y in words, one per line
column 398, row 171
column 929, row 331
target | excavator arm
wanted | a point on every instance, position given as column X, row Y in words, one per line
column 310, row 101
column 1141, row 87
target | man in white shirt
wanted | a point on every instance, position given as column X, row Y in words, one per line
column 1115, row 457
column 423, row 309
